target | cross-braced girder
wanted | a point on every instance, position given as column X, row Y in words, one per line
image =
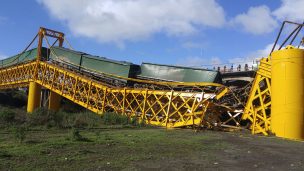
column 257, row 109
column 157, row 107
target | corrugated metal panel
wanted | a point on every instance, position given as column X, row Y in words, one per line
column 108, row 60
column 65, row 55
column 178, row 73
column 107, row 66
column 93, row 63
column 26, row 56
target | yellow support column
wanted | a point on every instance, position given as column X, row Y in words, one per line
column 34, row 97
column 54, row 101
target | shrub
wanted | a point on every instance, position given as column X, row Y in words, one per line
column 118, row 119
column 7, row 115
column 19, row 98
column 45, row 117
column 76, row 136
column 67, row 119
column 113, row 119
column 79, row 120
column 93, row 120
column 135, row 121
column 39, row 117
column 57, row 118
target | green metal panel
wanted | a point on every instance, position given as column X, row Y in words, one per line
column 105, row 65
column 102, row 64
column 178, row 73
column 9, row 61
column 94, row 63
column 161, row 72
column 65, row 55
column 197, row 75
column 23, row 57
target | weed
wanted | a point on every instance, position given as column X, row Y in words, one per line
column 67, row 119
column 7, row 115
column 133, row 120
column 4, row 154
column 39, row 117
column 19, row 133
column 141, row 123
column 113, row 119
column 19, row 96
column 57, row 119
column 48, row 118
column 79, row 120
column 76, row 136
column 97, row 134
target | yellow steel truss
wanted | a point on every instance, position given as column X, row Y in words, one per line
column 257, row 109
column 166, row 108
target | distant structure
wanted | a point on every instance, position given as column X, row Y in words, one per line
column 238, row 67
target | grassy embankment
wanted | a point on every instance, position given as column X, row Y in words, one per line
column 45, row 140
column 74, row 139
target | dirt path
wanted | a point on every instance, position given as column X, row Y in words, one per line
column 238, row 151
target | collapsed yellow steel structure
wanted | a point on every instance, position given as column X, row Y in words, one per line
column 166, row 108
column 275, row 102
column 157, row 107
column 257, row 109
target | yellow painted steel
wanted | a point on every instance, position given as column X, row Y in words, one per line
column 287, row 112
column 54, row 101
column 157, row 107
column 166, row 108
column 34, row 97
column 257, row 109
column 275, row 103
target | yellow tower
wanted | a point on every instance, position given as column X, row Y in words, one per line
column 287, row 89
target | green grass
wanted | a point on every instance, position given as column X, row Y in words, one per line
column 103, row 148
column 75, row 139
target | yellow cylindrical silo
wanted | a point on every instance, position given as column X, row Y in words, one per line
column 287, row 93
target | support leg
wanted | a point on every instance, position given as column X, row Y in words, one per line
column 54, row 101
column 34, row 97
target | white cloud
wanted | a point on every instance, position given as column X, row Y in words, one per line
column 195, row 61
column 252, row 57
column 132, row 20
column 249, row 59
column 257, row 55
column 257, row 20
column 290, row 10
column 263, row 52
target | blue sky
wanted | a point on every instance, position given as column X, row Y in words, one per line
column 182, row 32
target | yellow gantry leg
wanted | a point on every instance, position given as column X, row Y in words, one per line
column 34, row 97
column 54, row 101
